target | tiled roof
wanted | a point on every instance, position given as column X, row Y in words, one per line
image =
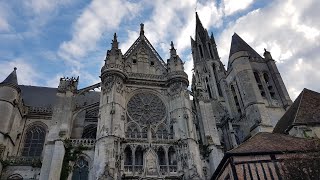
column 305, row 110
column 264, row 142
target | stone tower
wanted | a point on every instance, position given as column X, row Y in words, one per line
column 11, row 114
column 208, row 99
column 257, row 95
column 145, row 126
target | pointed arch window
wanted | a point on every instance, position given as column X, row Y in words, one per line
column 80, row 169
column 162, row 159
column 162, row 132
column 138, row 159
column 132, row 131
column 258, row 80
column 128, row 164
column 269, row 85
column 214, row 69
column 90, row 131
column 34, row 141
column 236, row 100
column 172, row 159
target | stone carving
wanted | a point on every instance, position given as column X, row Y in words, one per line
column 108, row 83
column 146, row 108
column 119, row 85
column 151, row 164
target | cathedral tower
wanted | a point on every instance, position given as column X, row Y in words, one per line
column 208, row 100
column 258, row 95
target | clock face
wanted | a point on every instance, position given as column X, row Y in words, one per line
column 146, row 108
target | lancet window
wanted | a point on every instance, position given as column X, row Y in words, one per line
column 34, row 141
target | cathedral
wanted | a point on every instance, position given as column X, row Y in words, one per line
column 145, row 122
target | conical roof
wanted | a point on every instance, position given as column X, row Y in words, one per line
column 12, row 78
column 238, row 44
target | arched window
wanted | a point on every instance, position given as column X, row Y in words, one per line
column 162, row 160
column 210, row 50
column 34, row 140
column 144, row 133
column 171, row 134
column 90, row 131
column 15, row 177
column 269, row 85
column 80, row 169
column 138, row 159
column 258, row 80
column 132, row 131
column 236, row 100
column 208, row 88
column 162, row 132
column 172, row 159
column 128, row 159
column 200, row 50
column 214, row 69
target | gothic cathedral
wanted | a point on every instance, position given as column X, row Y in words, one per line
column 143, row 124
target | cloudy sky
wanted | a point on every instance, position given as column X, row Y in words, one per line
column 48, row 39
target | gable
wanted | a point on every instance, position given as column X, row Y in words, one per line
column 142, row 58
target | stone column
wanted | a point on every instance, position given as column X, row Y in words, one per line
column 57, row 160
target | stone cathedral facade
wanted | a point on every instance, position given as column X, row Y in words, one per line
column 143, row 124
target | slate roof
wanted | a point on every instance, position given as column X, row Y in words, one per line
column 264, row 142
column 238, row 44
column 12, row 78
column 36, row 96
column 305, row 110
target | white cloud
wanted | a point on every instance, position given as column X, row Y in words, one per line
column 26, row 73
column 44, row 6
column 232, row 6
column 100, row 16
column 283, row 29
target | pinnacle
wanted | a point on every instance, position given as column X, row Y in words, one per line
column 12, row 78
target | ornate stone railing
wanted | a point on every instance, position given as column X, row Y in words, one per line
column 83, row 142
column 22, row 161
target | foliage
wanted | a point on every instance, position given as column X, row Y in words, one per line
column 72, row 153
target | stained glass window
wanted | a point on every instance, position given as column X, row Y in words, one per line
column 34, row 140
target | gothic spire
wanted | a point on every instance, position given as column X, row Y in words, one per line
column 12, row 78
column 200, row 31
column 238, row 44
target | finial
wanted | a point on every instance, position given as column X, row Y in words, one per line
column 265, row 50
column 15, row 68
column 141, row 29
column 172, row 46
column 115, row 37
column 115, row 41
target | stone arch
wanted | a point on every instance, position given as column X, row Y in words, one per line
column 172, row 159
column 34, row 139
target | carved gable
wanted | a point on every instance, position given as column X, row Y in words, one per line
column 142, row 58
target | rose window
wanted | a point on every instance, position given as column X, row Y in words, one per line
column 146, row 108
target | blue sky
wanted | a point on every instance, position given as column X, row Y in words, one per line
column 48, row 39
